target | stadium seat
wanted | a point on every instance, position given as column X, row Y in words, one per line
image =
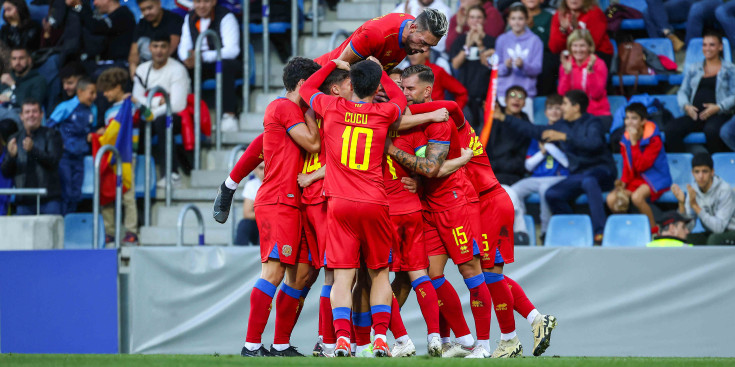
column 634, row 24
column 725, row 166
column 569, row 230
column 618, row 164
column 539, row 107
column 680, row 165
column 279, row 27
column 694, row 54
column 670, row 103
column 698, row 227
column 659, row 46
column 616, row 102
column 627, row 230
column 211, row 84
column 139, row 177
column 531, row 228
column 78, row 230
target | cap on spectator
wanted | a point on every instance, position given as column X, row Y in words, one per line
column 702, row 159
column 672, row 217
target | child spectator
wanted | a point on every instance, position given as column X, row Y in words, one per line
column 505, row 148
column 111, row 82
column 520, row 54
column 645, row 168
column 247, row 229
column 547, row 164
column 74, row 119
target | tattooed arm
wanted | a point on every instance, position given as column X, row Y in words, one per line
column 428, row 166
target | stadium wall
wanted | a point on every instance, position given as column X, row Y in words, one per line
column 609, row 301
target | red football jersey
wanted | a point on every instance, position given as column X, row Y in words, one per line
column 354, row 135
column 400, row 200
column 283, row 158
column 252, row 156
column 312, row 162
column 379, row 37
column 479, row 170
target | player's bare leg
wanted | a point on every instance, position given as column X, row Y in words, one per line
column 341, row 301
column 401, row 286
column 271, row 275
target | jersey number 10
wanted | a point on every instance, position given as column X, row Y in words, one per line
column 350, row 138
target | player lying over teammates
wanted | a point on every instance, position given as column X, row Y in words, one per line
column 366, row 205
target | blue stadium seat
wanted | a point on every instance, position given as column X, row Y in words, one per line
column 569, row 230
column 531, row 227
column 533, row 199
column 670, row 103
column 78, row 230
column 698, row 227
column 139, row 177
column 659, row 46
column 627, row 230
column 695, row 138
column 634, row 24
column 694, row 54
column 211, row 84
column 133, row 6
column 616, row 102
column 680, row 165
column 725, row 166
column 539, row 107
column 88, row 182
column 280, row 27
column 618, row 164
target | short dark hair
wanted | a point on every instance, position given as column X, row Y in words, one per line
column 71, row 69
column 335, row 77
column 516, row 88
column 365, row 77
column 702, row 159
column 710, row 32
column 432, row 20
column 21, row 48
column 31, row 101
column 478, row 7
column 578, row 97
column 160, row 36
column 297, row 69
column 424, row 73
column 398, row 71
column 517, row 6
column 111, row 78
column 83, row 83
column 142, row 1
column 637, row 108
column 553, row 100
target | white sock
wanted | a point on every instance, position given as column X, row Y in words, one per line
column 330, row 346
column 360, row 348
column 253, row 346
column 281, row 347
column 508, row 336
column 446, row 340
column 230, row 183
column 428, row 337
column 353, row 346
column 385, row 339
column 532, row 316
column 403, row 339
column 466, row 341
column 485, row 344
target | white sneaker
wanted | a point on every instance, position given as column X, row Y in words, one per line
column 508, row 349
column 457, row 351
column 175, row 181
column 229, row 123
column 406, row 349
column 542, row 326
column 435, row 347
column 479, row 352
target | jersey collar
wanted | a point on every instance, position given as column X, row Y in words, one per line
column 400, row 33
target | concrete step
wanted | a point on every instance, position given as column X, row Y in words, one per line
column 216, row 160
column 208, row 178
column 361, row 10
column 167, row 236
column 260, row 99
column 314, row 47
column 327, row 27
column 168, row 216
column 193, row 194
column 252, row 121
column 240, row 137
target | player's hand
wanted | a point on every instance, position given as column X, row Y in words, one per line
column 304, row 180
column 389, row 147
column 341, row 64
column 678, row 194
column 373, row 59
column 467, row 154
column 410, row 184
column 709, row 110
column 27, row 144
column 381, row 96
column 439, row 115
column 13, row 147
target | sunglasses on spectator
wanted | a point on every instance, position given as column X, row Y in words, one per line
column 518, row 95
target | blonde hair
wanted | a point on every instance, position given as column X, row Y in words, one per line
column 586, row 6
column 581, row 34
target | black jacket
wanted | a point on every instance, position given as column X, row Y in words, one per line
column 28, row 36
column 507, row 152
column 38, row 168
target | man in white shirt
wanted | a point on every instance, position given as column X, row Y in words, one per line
column 247, row 229
column 168, row 73
column 205, row 15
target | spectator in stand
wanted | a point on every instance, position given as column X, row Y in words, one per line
column 547, row 164
column 459, row 24
column 591, row 166
column 74, row 119
column 540, row 23
column 520, row 54
column 415, row 7
column 155, row 20
column 645, row 168
column 711, row 13
column 707, row 97
column 580, row 14
column 22, row 82
column 443, row 82
column 581, row 69
column 206, row 15
column 469, row 53
column 247, row 229
column 111, row 82
column 725, row 15
column 19, row 30
column 32, row 161
column 166, row 72
column 673, row 231
column 70, row 75
column 505, row 148
column 7, row 129
column 661, row 13
column 712, row 200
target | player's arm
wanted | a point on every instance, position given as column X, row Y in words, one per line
column 349, row 55
column 429, row 165
column 306, row 135
column 452, row 165
column 306, row 179
column 455, row 112
column 309, row 91
column 409, row 120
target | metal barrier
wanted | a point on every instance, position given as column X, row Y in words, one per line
column 266, row 46
column 246, row 56
column 96, row 195
column 294, row 28
column 180, row 224
column 212, row 36
column 230, row 165
column 335, row 34
column 28, row 192
column 169, row 151
column 315, row 18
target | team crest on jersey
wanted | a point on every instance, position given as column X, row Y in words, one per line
column 387, row 53
column 287, row 250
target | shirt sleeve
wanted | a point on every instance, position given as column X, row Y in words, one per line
column 185, row 43
column 438, row 133
column 291, row 117
column 230, row 40
column 363, row 44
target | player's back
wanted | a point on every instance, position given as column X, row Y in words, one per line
column 354, row 134
column 401, row 200
column 479, row 170
column 283, row 159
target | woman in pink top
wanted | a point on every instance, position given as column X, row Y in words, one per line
column 581, row 69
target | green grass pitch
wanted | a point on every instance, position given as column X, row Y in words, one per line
column 123, row 360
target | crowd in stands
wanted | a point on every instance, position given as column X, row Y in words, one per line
column 54, row 99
